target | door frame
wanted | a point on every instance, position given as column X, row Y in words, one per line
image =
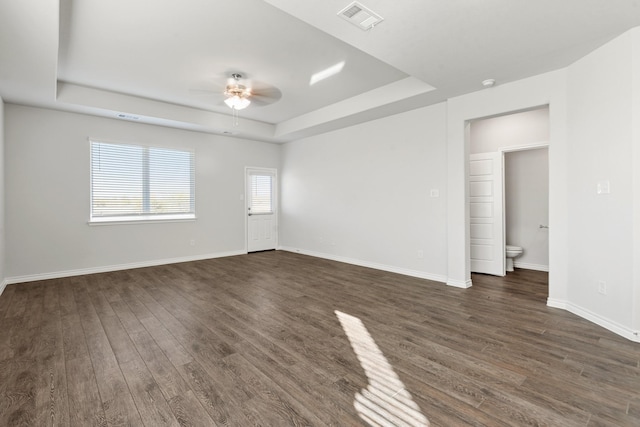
column 276, row 203
column 503, row 151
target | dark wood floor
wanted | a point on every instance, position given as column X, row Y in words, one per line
column 255, row 340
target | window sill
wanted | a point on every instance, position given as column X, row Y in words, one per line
column 141, row 220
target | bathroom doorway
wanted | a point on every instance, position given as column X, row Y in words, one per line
column 520, row 141
column 526, row 205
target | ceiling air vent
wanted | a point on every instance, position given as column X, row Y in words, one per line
column 360, row 16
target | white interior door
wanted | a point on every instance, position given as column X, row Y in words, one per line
column 486, row 213
column 261, row 209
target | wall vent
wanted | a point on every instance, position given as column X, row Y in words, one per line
column 360, row 16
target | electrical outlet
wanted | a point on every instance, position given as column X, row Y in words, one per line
column 420, row 254
column 192, row 242
column 602, row 287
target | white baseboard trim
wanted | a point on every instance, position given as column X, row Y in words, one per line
column 3, row 285
column 464, row 284
column 118, row 267
column 376, row 266
column 614, row 327
column 537, row 267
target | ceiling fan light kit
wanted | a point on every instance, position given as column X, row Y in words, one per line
column 237, row 94
column 237, row 102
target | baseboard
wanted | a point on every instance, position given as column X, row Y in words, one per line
column 3, row 285
column 614, row 327
column 526, row 266
column 383, row 267
column 118, row 267
column 464, row 284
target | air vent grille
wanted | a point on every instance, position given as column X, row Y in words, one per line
column 350, row 13
column 360, row 16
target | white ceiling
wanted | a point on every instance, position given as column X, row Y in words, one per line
column 167, row 62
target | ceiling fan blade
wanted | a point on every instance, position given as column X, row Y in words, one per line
column 264, row 97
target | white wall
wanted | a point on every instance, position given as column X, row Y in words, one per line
column 328, row 210
column 47, row 195
column 362, row 194
column 636, row 179
column 527, row 206
column 510, row 130
column 594, row 135
column 2, row 203
column 601, row 121
column 545, row 89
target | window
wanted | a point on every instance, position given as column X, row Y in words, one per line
column 133, row 182
column 261, row 194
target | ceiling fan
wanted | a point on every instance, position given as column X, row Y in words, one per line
column 240, row 92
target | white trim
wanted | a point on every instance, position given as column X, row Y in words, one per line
column 524, row 147
column 526, row 266
column 3, row 285
column 143, row 219
column 118, row 267
column 376, row 266
column 614, row 327
column 463, row 284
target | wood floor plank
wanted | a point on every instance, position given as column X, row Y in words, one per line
column 118, row 404
column 18, row 301
column 19, row 380
column 152, row 406
column 199, row 368
column 224, row 408
column 172, row 349
column 313, row 391
column 275, row 404
column 269, row 324
column 6, row 300
column 180, row 398
column 255, row 340
column 85, row 405
column 52, row 404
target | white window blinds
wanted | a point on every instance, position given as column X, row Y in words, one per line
column 261, row 194
column 132, row 182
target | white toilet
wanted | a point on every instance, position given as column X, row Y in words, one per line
column 512, row 252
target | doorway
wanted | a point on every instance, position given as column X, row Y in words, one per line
column 493, row 141
column 261, row 209
column 526, row 182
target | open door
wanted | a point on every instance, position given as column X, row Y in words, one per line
column 261, row 209
column 486, row 213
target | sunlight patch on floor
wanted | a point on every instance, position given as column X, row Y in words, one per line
column 385, row 401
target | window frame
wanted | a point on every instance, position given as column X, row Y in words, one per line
column 261, row 173
column 145, row 217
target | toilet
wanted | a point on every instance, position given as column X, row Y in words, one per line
column 512, row 252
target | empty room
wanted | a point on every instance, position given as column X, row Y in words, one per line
column 327, row 213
